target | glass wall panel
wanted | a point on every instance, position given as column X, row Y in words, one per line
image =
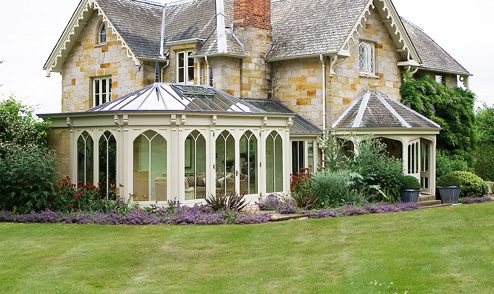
column 195, row 166
column 298, row 156
column 225, row 164
column 248, row 164
column 310, row 154
column 274, row 163
column 150, row 174
column 107, row 164
column 85, row 165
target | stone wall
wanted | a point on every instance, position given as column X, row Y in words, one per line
column 348, row 82
column 58, row 141
column 298, row 83
column 88, row 60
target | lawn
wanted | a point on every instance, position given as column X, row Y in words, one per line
column 440, row 250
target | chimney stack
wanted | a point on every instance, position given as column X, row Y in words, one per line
column 253, row 13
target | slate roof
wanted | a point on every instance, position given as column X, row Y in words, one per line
column 306, row 27
column 432, row 55
column 300, row 125
column 375, row 110
column 139, row 23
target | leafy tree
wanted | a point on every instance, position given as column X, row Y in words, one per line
column 27, row 168
column 452, row 109
column 484, row 119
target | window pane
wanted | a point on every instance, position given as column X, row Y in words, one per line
column 195, row 166
column 141, row 168
column 310, row 153
column 225, row 164
column 248, row 164
column 190, row 69
column 158, row 169
column 278, row 176
column 109, row 89
column 107, row 163
column 85, row 159
column 270, row 163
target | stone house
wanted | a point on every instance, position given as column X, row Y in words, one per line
column 282, row 72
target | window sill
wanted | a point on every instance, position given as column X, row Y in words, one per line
column 100, row 45
column 368, row 75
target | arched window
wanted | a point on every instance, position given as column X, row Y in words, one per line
column 225, row 164
column 274, row 163
column 248, row 164
column 107, row 164
column 366, row 57
column 195, row 166
column 85, row 158
column 150, row 173
column 102, row 33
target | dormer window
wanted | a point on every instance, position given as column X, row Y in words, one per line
column 185, row 67
column 367, row 57
column 102, row 33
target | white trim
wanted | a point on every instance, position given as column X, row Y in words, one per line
column 361, row 110
column 73, row 30
column 220, row 26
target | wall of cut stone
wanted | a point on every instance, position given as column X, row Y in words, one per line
column 88, row 60
column 58, row 141
column 297, row 83
column 348, row 81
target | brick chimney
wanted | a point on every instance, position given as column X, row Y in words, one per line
column 253, row 13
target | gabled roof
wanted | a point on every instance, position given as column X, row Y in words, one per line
column 313, row 27
column 375, row 110
column 308, row 27
column 432, row 55
column 137, row 25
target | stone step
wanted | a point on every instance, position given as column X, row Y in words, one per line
column 276, row 217
column 434, row 206
column 429, row 203
column 426, row 198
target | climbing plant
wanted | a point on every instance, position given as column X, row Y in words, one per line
column 452, row 109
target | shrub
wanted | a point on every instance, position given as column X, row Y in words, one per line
column 333, row 188
column 449, row 180
column 472, row 184
column 446, row 164
column 301, row 190
column 26, row 178
column 410, row 182
column 382, row 175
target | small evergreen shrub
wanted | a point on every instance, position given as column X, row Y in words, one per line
column 472, row 184
column 410, row 182
column 449, row 180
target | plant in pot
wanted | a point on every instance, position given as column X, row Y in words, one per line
column 449, row 187
column 410, row 189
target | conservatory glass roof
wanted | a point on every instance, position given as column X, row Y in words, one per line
column 178, row 97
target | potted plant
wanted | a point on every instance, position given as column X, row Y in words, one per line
column 410, row 189
column 449, row 187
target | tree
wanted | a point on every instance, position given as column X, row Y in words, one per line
column 452, row 109
column 27, row 167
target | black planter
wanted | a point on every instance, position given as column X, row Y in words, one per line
column 449, row 194
column 410, row 195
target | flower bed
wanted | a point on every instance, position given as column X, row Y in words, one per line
column 470, row 200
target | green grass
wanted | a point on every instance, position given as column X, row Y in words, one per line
column 441, row 250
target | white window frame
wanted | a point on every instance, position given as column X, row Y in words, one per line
column 367, row 58
column 100, row 29
column 98, row 90
column 188, row 65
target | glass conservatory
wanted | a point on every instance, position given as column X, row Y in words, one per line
column 184, row 142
